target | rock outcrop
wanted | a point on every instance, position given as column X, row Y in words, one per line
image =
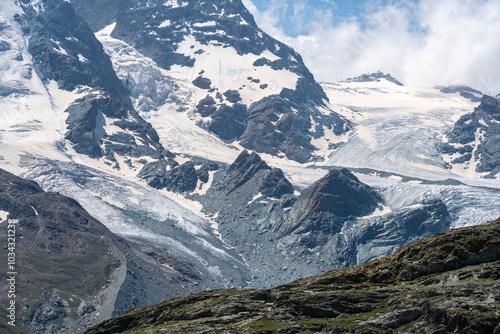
column 465, row 91
column 374, row 77
column 475, row 139
column 177, row 178
column 326, row 204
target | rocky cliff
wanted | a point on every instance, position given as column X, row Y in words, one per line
column 101, row 122
column 473, row 141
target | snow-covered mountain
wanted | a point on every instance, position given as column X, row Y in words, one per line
column 209, row 60
column 144, row 120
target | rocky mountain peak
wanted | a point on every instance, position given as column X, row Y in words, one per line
column 326, row 205
column 77, row 76
column 236, row 100
column 374, row 77
column 248, row 161
column 246, row 167
column 243, row 169
column 64, row 48
column 341, row 193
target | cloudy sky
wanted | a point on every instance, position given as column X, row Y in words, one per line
column 419, row 42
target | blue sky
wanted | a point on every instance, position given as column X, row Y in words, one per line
column 420, row 42
column 340, row 10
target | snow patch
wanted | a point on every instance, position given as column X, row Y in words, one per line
column 201, row 188
column 205, row 24
column 171, row 4
column 256, row 197
column 227, row 69
column 3, row 215
column 82, row 58
column 166, row 23
column 379, row 211
column 59, row 49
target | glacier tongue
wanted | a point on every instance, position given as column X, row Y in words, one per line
column 142, row 215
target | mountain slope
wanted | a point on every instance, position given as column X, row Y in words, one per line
column 56, row 238
column 239, row 83
column 92, row 121
column 446, row 283
column 71, row 126
column 67, row 69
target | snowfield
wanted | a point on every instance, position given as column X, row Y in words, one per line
column 394, row 147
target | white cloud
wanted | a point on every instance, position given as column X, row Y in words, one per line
column 425, row 43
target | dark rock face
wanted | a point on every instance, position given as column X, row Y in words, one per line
column 243, row 169
column 483, row 126
column 87, row 129
column 64, row 49
column 56, row 37
column 155, row 173
column 206, row 107
column 449, row 287
column 98, row 14
column 465, row 91
column 82, row 126
column 276, row 124
column 246, row 168
column 201, row 82
column 183, row 178
column 232, row 96
column 177, row 178
column 229, row 122
column 325, row 205
column 276, row 184
column 4, row 46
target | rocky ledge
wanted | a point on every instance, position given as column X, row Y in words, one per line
column 447, row 283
